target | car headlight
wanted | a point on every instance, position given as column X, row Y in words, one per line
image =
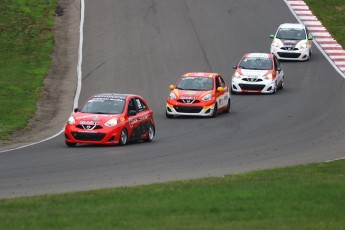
column 237, row 75
column 172, row 96
column 275, row 44
column 71, row 120
column 303, row 45
column 112, row 122
column 207, row 97
column 269, row 77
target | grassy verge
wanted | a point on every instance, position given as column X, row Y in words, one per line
column 302, row 197
column 332, row 15
column 26, row 43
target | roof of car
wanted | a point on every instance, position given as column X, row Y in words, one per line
column 200, row 74
column 292, row 25
column 113, row 95
column 259, row 55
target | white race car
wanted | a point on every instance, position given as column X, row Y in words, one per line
column 257, row 73
column 292, row 41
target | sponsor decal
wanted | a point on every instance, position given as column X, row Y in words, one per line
column 133, row 121
column 188, row 98
column 190, row 92
column 88, row 123
column 290, row 44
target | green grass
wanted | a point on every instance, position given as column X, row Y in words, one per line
column 300, row 197
column 332, row 15
column 26, row 44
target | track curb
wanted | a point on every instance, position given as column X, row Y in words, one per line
column 333, row 51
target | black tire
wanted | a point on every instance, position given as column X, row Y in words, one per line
column 275, row 89
column 227, row 110
column 168, row 115
column 70, row 144
column 123, row 137
column 151, row 133
column 282, row 84
column 215, row 110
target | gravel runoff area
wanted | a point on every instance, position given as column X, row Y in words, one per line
column 56, row 102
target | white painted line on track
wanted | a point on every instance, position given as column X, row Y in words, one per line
column 332, row 45
column 314, row 23
column 308, row 18
column 77, row 94
column 320, row 40
column 326, row 34
column 299, row 7
column 304, row 12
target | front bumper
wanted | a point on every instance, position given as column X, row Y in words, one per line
column 181, row 109
column 296, row 54
column 264, row 86
column 108, row 136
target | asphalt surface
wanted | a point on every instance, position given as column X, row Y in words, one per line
column 143, row 46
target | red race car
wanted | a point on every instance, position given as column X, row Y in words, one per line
column 198, row 94
column 110, row 119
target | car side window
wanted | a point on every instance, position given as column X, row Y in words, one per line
column 276, row 62
column 131, row 105
column 220, row 83
column 223, row 82
column 140, row 105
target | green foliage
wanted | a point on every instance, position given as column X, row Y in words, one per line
column 301, row 197
column 26, row 43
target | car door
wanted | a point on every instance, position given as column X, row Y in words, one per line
column 144, row 116
column 133, row 119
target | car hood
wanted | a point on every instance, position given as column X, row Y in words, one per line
column 254, row 73
column 190, row 94
column 288, row 42
column 91, row 119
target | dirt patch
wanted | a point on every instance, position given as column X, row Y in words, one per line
column 56, row 102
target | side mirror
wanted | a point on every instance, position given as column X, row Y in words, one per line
column 234, row 66
column 76, row 110
column 171, row 87
column 220, row 89
column 132, row 113
column 271, row 36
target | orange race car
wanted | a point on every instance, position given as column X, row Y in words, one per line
column 198, row 94
column 110, row 119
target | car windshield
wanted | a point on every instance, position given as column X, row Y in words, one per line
column 104, row 105
column 257, row 63
column 291, row 34
column 195, row 83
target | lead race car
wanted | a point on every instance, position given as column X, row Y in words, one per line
column 292, row 41
column 110, row 119
column 257, row 73
column 198, row 94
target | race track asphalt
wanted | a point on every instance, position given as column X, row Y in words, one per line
column 143, row 46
